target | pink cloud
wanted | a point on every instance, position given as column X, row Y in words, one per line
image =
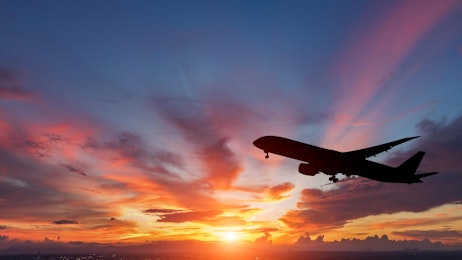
column 210, row 145
column 278, row 192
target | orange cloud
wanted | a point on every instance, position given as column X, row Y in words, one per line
column 277, row 192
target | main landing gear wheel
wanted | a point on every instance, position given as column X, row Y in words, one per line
column 333, row 178
column 267, row 155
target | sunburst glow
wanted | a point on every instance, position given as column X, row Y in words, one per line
column 230, row 236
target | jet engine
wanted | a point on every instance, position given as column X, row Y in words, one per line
column 307, row 169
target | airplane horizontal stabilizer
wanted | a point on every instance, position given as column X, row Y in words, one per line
column 423, row 175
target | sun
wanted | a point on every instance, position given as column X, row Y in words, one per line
column 230, row 236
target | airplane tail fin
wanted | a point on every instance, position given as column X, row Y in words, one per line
column 409, row 168
column 411, row 164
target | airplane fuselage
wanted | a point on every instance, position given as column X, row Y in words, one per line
column 330, row 162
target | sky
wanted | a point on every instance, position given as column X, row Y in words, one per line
column 133, row 121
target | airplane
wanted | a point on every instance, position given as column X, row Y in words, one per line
column 331, row 162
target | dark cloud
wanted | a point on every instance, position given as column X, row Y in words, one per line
column 192, row 216
column 3, row 227
column 10, row 86
column 264, row 240
column 41, row 144
column 64, row 222
column 431, row 234
column 382, row 243
column 359, row 197
column 113, row 227
column 73, row 169
column 37, row 148
column 152, row 161
column 320, row 209
column 38, row 196
column 129, row 144
column 161, row 211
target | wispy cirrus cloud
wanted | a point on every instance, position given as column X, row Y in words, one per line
column 73, row 169
column 11, row 88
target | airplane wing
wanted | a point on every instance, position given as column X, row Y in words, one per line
column 374, row 150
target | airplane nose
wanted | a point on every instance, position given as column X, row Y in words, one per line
column 258, row 143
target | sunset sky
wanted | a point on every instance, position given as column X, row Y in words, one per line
column 133, row 121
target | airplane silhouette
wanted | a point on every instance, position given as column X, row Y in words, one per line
column 331, row 162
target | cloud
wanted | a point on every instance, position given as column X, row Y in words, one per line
column 192, row 216
column 208, row 217
column 267, row 192
column 359, row 197
column 133, row 151
column 73, row 169
column 137, row 172
column 115, row 228
column 264, row 240
column 34, row 198
column 439, row 235
column 220, row 165
column 10, row 87
column 415, row 222
column 161, row 211
column 382, row 243
column 320, row 209
column 277, row 192
column 64, row 222
column 3, row 227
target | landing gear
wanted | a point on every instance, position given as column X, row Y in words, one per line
column 267, row 155
column 333, row 178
